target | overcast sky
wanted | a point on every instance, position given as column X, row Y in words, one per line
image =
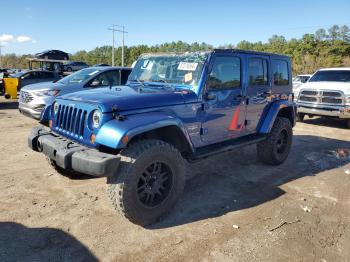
column 28, row 27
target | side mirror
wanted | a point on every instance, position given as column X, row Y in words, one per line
column 209, row 96
column 22, row 77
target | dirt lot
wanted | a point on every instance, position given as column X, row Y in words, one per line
column 46, row 216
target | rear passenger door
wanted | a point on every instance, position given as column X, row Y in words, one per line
column 258, row 89
column 223, row 98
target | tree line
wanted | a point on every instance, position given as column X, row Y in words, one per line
column 324, row 48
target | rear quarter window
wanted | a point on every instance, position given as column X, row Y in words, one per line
column 280, row 73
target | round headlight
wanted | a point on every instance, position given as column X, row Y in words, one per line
column 96, row 118
column 55, row 108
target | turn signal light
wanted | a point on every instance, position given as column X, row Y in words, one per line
column 92, row 138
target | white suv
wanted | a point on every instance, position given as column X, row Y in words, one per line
column 327, row 93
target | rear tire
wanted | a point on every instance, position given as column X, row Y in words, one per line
column 348, row 123
column 300, row 117
column 69, row 69
column 150, row 179
column 275, row 149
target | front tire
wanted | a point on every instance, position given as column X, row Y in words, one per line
column 275, row 149
column 150, row 179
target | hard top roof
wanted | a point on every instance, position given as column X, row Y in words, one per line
column 248, row 52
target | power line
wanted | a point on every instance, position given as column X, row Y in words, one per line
column 121, row 30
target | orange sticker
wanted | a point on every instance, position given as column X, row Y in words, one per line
column 188, row 77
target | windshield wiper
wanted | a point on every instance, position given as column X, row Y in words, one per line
column 140, row 82
column 159, row 81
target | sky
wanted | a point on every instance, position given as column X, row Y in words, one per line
column 28, row 27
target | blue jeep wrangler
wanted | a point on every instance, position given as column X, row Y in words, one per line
column 174, row 107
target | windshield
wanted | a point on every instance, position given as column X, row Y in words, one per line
column 182, row 69
column 331, row 75
column 79, row 76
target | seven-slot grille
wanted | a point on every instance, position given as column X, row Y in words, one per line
column 71, row 119
column 322, row 97
column 26, row 97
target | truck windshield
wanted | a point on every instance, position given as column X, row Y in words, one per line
column 331, row 75
column 181, row 69
column 79, row 76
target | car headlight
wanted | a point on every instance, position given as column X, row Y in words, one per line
column 47, row 93
column 96, row 118
column 55, row 108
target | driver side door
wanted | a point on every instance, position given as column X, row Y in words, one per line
column 223, row 106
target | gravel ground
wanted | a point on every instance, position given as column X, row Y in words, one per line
column 234, row 208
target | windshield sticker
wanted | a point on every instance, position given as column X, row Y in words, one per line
column 188, row 77
column 187, row 66
column 95, row 72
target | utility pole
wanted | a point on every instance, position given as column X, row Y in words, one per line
column 113, row 30
column 1, row 56
column 122, row 30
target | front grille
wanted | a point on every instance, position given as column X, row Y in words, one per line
column 70, row 119
column 331, row 100
column 331, row 93
column 322, row 97
column 308, row 98
column 309, row 93
column 26, row 97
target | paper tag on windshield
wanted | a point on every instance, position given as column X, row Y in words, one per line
column 187, row 66
column 188, row 77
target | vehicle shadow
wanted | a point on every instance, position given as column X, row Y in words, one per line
column 326, row 121
column 237, row 180
column 20, row 243
column 9, row 105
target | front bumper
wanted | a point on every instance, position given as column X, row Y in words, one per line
column 34, row 112
column 339, row 111
column 72, row 156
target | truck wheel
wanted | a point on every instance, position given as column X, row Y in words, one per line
column 150, row 179
column 348, row 123
column 300, row 117
column 275, row 149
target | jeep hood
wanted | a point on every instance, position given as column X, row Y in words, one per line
column 123, row 98
column 341, row 86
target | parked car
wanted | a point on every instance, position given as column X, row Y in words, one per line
column 34, row 76
column 53, row 54
column 34, row 98
column 74, row 66
column 327, row 93
column 175, row 107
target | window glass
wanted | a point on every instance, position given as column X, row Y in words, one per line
column 257, row 72
column 108, row 78
column 226, row 73
column 331, row 76
column 280, row 73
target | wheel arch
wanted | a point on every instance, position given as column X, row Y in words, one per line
column 118, row 134
column 281, row 108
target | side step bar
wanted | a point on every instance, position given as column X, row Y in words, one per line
column 207, row 151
